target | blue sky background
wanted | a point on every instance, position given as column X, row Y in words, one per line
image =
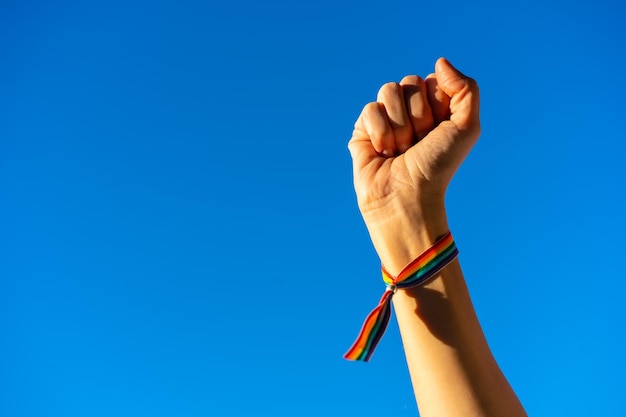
column 178, row 231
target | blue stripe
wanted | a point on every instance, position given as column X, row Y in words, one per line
column 431, row 269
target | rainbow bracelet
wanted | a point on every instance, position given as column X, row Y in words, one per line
column 424, row 267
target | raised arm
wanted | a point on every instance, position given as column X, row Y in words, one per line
column 406, row 147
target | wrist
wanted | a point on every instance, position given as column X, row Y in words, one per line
column 402, row 235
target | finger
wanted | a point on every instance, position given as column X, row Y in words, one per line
column 361, row 149
column 373, row 123
column 463, row 93
column 438, row 100
column 418, row 108
column 391, row 96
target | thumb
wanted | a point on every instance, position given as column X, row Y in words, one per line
column 463, row 93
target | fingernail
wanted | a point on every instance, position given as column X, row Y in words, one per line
column 388, row 153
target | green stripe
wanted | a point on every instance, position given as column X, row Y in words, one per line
column 434, row 263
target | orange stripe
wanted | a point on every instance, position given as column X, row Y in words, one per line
column 361, row 342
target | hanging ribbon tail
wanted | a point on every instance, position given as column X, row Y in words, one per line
column 372, row 330
column 417, row 272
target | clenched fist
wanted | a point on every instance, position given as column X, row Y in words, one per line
column 406, row 147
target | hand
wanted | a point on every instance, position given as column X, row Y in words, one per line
column 406, row 147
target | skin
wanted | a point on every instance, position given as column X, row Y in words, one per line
column 406, row 147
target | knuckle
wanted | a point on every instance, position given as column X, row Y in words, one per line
column 370, row 108
column 374, row 120
column 410, row 79
column 388, row 90
column 371, row 111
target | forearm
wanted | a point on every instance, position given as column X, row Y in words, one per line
column 452, row 369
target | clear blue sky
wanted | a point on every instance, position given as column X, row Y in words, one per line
column 178, row 230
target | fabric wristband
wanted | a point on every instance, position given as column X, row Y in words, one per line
column 424, row 267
